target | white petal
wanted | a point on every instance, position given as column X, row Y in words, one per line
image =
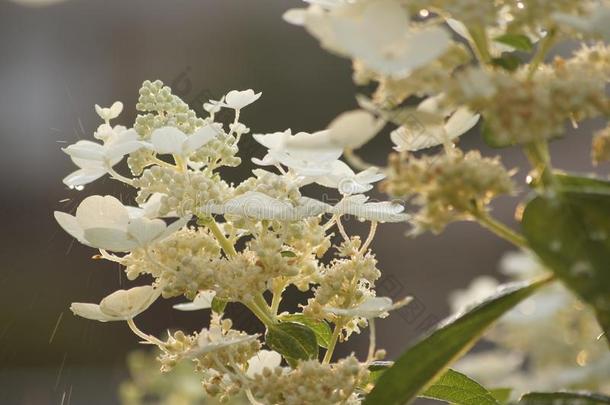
column 353, row 129
column 85, row 150
column 102, row 212
column 371, row 307
column 295, row 16
column 116, row 240
column 173, row 227
column 263, row 359
column 115, row 109
column 70, row 224
column 145, row 230
column 168, row 140
column 239, row 99
column 203, row 300
column 127, row 304
column 91, row 311
column 274, row 140
column 377, row 211
column 117, row 151
column 199, row 138
column 460, row 122
column 370, row 175
column 82, row 177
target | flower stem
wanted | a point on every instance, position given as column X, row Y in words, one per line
column 333, row 342
column 500, row 229
column 538, row 154
column 480, row 44
column 261, row 310
column 543, row 48
column 148, row 338
column 225, row 243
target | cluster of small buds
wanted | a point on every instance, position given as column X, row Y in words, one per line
column 600, row 146
column 312, row 382
column 448, row 187
column 175, row 349
column 183, row 192
column 271, row 184
column 163, row 109
column 182, row 262
column 522, row 107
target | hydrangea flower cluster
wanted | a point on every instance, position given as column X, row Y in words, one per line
column 215, row 243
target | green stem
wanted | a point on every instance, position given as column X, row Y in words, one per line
column 500, row 229
column 333, row 342
column 277, row 298
column 225, row 243
column 260, row 308
column 538, row 154
column 480, row 44
column 543, row 48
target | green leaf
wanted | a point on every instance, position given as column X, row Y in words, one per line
column 502, row 395
column 292, row 340
column 516, row 41
column 377, row 368
column 420, row 365
column 577, row 184
column 570, row 232
column 507, row 62
column 288, row 253
column 456, row 388
column 218, row 305
column 563, row 398
column 319, row 327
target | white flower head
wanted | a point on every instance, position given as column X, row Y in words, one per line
column 105, row 223
column 95, row 160
column 213, row 106
column 307, row 162
column 358, row 206
column 210, row 340
column 109, row 113
column 377, row 33
column 350, row 130
column 121, row 305
column 171, row 140
column 264, row 359
column 371, row 307
column 343, row 178
column 256, row 205
column 203, row 300
column 237, row 100
column 431, row 126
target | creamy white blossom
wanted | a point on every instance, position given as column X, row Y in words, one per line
column 95, row 160
column 371, row 307
column 104, row 222
column 358, row 206
column 264, row 359
column 109, row 113
column 237, row 100
column 170, row 140
column 343, row 178
column 121, row 305
column 203, row 300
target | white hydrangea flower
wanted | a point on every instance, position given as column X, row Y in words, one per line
column 170, row 140
column 269, row 359
column 109, row 113
column 105, row 223
column 95, row 160
column 256, row 205
column 210, row 340
column 121, row 305
column 350, row 130
column 357, row 206
column 371, row 307
column 304, row 162
column 343, row 178
column 377, row 33
column 213, row 106
column 203, row 300
column 237, row 100
column 423, row 134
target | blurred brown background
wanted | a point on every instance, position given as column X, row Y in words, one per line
column 56, row 62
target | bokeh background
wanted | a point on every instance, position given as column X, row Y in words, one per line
column 58, row 60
